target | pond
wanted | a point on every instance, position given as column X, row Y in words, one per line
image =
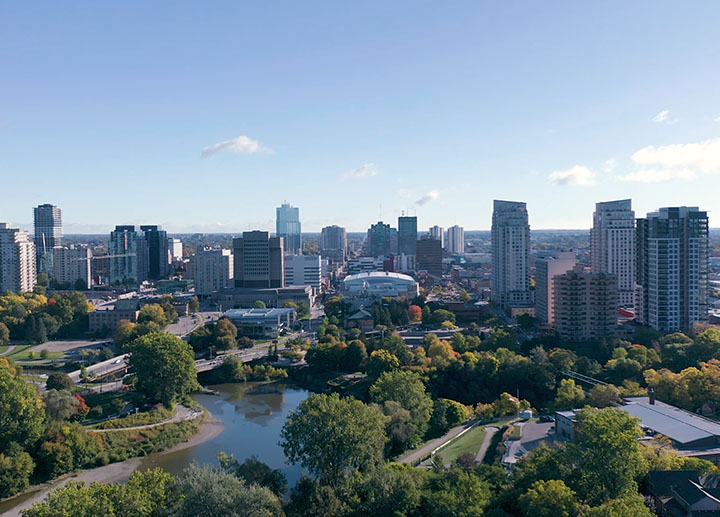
column 253, row 416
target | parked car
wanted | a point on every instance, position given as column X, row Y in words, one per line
column 547, row 418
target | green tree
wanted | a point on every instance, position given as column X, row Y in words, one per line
column 633, row 504
column 259, row 304
column 606, row 454
column 308, row 498
column 440, row 315
column 389, row 489
column 59, row 381
column 408, row 389
column 164, row 366
column 569, row 395
column 603, row 395
column 125, row 332
column 60, row 405
column 381, row 361
column 21, row 409
column 144, row 495
column 399, row 427
column 4, row 334
column 334, row 437
column 549, row 499
column 455, row 493
column 212, row 492
column 254, row 471
column 80, row 285
column 193, row 305
column 356, row 355
column 16, row 467
column 225, row 334
column 153, row 312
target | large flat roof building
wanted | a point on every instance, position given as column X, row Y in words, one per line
column 380, row 284
column 261, row 322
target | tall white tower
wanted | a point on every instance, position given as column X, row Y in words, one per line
column 612, row 239
column 511, row 254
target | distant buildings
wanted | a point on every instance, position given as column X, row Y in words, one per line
column 304, row 270
column 48, row 235
column 510, row 255
column 127, row 251
column 365, row 265
column 287, row 226
column 211, row 269
column 612, row 240
column 333, row 244
column 407, row 235
column 176, row 248
column 547, row 267
column 455, row 241
column 429, row 256
column 17, row 260
column 72, row 266
column 379, row 240
column 672, row 268
column 258, row 260
column 436, row 232
column 586, row 305
column 156, row 241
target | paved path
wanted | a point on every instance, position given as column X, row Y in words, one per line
column 181, row 413
column 489, row 433
column 421, row 453
column 9, row 350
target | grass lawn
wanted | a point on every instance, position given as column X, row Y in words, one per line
column 469, row 442
column 515, row 434
column 22, row 353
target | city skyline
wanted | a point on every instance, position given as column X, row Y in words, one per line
column 443, row 110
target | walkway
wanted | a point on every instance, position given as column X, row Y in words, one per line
column 431, row 446
column 9, row 350
column 182, row 413
column 489, row 433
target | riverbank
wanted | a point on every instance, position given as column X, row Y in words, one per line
column 118, row 472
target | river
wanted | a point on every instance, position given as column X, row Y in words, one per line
column 252, row 416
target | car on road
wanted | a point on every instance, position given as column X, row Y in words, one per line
column 547, row 418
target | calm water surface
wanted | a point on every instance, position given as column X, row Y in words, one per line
column 253, row 416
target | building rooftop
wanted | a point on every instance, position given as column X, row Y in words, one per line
column 677, row 424
column 257, row 313
column 378, row 276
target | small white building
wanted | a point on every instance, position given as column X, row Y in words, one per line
column 304, row 270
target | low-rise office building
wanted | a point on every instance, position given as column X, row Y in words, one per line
column 106, row 319
column 259, row 323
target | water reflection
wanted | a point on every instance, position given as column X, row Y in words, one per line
column 253, row 416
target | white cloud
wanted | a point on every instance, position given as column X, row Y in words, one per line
column 657, row 175
column 675, row 161
column 717, row 119
column 240, row 145
column 368, row 170
column 610, row 165
column 664, row 118
column 578, row 176
column 430, row 196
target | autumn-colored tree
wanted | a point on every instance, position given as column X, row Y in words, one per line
column 414, row 313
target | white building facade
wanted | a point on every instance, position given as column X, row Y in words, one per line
column 304, row 270
column 511, row 254
column 211, row 270
column 17, row 260
column 455, row 240
column 612, row 239
column 71, row 265
column 547, row 267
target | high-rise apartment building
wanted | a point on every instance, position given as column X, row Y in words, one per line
column 547, row 267
column 510, row 254
column 259, row 260
column 586, row 305
column 175, row 248
column 304, row 270
column 379, row 240
column 72, row 266
column 455, row 241
column 612, row 239
column 429, row 256
column 211, row 270
column 436, row 232
column 128, row 256
column 156, row 241
column 407, row 234
column 287, row 226
column 333, row 244
column 672, row 268
column 17, row 260
column 48, row 235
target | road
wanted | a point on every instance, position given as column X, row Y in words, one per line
column 112, row 365
column 421, row 453
column 182, row 413
column 489, row 433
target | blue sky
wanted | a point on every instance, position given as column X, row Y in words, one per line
column 205, row 116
